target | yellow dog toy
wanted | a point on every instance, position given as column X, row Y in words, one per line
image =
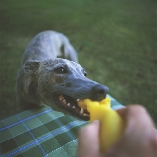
column 111, row 124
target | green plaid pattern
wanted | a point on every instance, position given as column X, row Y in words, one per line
column 41, row 132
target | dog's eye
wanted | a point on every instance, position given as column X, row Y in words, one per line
column 60, row 70
column 85, row 74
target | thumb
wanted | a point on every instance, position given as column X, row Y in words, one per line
column 88, row 142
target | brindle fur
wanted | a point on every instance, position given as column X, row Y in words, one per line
column 42, row 76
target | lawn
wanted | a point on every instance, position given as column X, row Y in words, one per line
column 116, row 41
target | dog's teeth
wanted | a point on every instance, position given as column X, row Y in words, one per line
column 64, row 101
column 68, row 104
column 73, row 107
column 82, row 111
column 85, row 115
column 61, row 98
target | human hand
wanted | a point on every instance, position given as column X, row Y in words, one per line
column 138, row 140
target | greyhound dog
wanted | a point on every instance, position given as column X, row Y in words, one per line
column 58, row 82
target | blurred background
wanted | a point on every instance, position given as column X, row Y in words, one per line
column 116, row 41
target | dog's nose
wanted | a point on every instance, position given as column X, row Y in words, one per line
column 99, row 92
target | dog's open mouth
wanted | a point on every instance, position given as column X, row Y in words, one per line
column 71, row 105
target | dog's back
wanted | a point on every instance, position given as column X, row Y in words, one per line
column 49, row 45
column 44, row 46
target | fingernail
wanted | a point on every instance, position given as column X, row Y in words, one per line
column 95, row 122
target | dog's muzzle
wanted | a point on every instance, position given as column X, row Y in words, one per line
column 99, row 92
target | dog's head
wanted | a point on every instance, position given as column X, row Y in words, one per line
column 62, row 83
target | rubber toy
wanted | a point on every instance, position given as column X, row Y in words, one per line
column 111, row 124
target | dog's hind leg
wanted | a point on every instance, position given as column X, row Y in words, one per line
column 68, row 51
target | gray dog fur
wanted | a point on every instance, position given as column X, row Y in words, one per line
column 43, row 78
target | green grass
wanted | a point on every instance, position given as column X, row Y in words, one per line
column 116, row 40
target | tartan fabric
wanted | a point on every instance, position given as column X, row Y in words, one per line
column 41, row 132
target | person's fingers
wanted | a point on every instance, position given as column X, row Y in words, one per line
column 138, row 138
column 134, row 111
column 88, row 140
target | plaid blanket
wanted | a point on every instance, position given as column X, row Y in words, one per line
column 41, row 132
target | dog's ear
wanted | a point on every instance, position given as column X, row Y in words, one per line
column 31, row 66
column 27, row 80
